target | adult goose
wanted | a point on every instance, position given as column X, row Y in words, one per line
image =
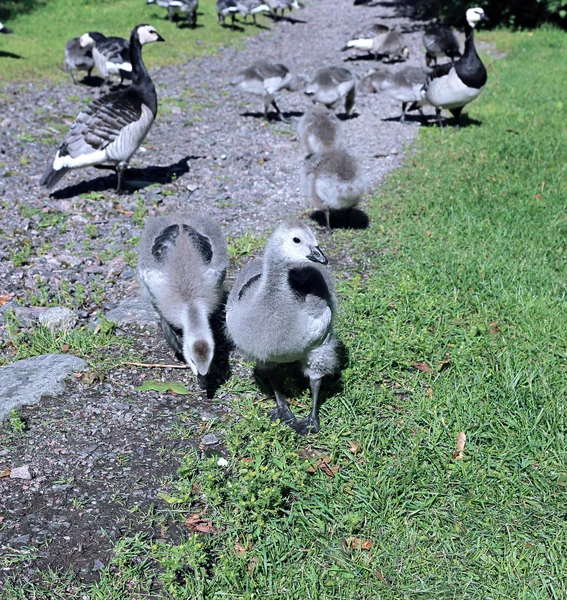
column 226, row 8
column 182, row 264
column 264, row 78
column 252, row 7
column 179, row 9
column 78, row 58
column 281, row 310
column 112, row 127
column 111, row 55
column 453, row 85
column 330, row 85
column 440, row 40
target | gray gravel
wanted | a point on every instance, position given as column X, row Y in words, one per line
column 101, row 449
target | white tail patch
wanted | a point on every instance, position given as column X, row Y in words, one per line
column 361, row 44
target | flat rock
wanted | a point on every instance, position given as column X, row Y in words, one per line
column 210, row 439
column 21, row 473
column 28, row 381
column 58, row 318
column 134, row 309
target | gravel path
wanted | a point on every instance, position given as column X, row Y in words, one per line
column 102, row 448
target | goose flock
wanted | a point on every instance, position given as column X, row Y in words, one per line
column 282, row 306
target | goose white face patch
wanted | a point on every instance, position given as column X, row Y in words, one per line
column 474, row 15
column 85, row 40
column 147, row 34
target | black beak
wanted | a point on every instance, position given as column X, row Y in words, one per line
column 159, row 38
column 483, row 17
column 202, row 381
column 317, row 256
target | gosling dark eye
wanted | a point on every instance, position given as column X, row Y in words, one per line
column 296, row 240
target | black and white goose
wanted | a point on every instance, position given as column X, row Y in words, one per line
column 111, row 129
column 439, row 41
column 179, row 9
column 226, row 8
column 252, row 7
column 111, row 55
column 4, row 29
column 453, row 85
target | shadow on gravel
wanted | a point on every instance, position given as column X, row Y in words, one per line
column 351, row 218
column 4, row 54
column 272, row 116
column 345, row 117
column 409, row 119
column 135, row 179
column 233, row 27
column 279, row 19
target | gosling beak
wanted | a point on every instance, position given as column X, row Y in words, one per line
column 202, row 381
column 317, row 256
column 159, row 38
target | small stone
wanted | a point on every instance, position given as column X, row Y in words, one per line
column 58, row 317
column 98, row 565
column 27, row 316
column 222, row 462
column 21, row 473
column 209, row 439
column 133, row 310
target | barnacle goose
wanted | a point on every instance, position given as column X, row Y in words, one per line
column 182, row 264
column 440, row 40
column 454, row 85
column 111, row 55
column 225, row 8
column 281, row 310
column 252, row 7
column 177, row 9
column 112, row 127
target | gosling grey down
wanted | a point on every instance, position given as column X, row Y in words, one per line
column 111, row 55
column 281, row 310
column 439, row 41
column 319, row 130
column 112, row 127
column 179, row 9
column 78, row 58
column 330, row 85
column 370, row 39
column 182, row 264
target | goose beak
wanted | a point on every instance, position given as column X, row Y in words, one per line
column 317, row 256
column 159, row 38
column 483, row 17
column 202, row 381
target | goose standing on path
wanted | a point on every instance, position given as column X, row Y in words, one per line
column 111, row 55
column 453, row 85
column 440, row 40
column 281, row 310
column 177, row 9
column 225, row 8
column 393, row 47
column 4, row 29
column 265, row 79
column 252, row 7
column 330, row 85
column 334, row 181
column 182, row 265
column 112, row 127
column 78, row 58
column 370, row 39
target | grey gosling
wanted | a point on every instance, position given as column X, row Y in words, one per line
column 265, row 79
column 440, row 40
column 405, row 86
column 333, row 181
column 371, row 82
column 370, row 39
column 319, row 130
column 330, row 85
column 252, row 7
column 78, row 58
column 112, row 127
column 453, row 85
column 182, row 265
column 281, row 310
column 225, row 8
column 393, row 47
column 111, row 55
column 179, row 9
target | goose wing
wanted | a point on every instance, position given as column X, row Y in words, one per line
column 101, row 123
column 115, row 49
column 340, row 75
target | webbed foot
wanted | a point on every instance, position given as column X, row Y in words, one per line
column 306, row 426
column 283, row 414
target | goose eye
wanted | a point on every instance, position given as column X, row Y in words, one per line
column 296, row 240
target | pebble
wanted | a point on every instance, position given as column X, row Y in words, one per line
column 21, row 472
column 210, row 439
column 58, row 318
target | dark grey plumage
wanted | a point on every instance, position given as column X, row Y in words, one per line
column 111, row 55
column 112, row 127
column 281, row 309
column 440, row 40
column 369, row 38
column 182, row 264
column 252, row 7
column 394, row 47
column 330, row 85
column 179, row 9
column 226, row 8
column 78, row 58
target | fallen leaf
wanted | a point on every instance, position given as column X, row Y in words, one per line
column 538, row 196
column 355, row 447
column 78, row 375
column 355, row 543
column 324, row 465
column 5, row 472
column 428, row 232
column 65, row 348
column 160, row 386
column 423, row 366
column 247, row 459
column 494, row 329
column 252, row 565
column 429, row 392
column 461, row 440
column 196, row 523
column 240, row 549
column 4, row 299
column 442, row 365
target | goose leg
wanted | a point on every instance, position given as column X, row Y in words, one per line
column 311, row 423
column 439, row 119
column 120, row 168
column 403, row 115
column 282, row 410
column 328, row 218
column 349, row 102
column 456, row 112
column 279, row 112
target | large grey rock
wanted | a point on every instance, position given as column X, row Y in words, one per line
column 28, row 381
column 134, row 310
column 58, row 318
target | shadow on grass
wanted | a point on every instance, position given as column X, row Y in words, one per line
column 351, row 218
column 4, row 54
column 134, row 179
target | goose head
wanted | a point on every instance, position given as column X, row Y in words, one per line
column 475, row 15
column 147, row 34
column 295, row 243
column 86, row 40
column 198, row 351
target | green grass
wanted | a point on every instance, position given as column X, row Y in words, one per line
column 39, row 37
column 465, row 256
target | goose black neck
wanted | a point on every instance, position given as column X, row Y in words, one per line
column 469, row 68
column 141, row 79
